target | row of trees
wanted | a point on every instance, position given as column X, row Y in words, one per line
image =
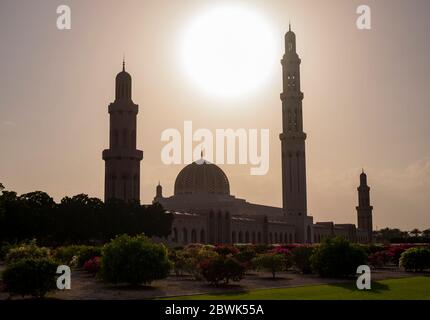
column 395, row 235
column 78, row 219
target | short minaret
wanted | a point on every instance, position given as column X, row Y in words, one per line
column 159, row 191
column 364, row 209
column 122, row 159
column 293, row 143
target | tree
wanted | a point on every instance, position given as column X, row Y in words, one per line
column 387, row 234
column 415, row 232
column 272, row 262
column 426, row 233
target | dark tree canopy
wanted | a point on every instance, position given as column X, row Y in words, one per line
column 77, row 219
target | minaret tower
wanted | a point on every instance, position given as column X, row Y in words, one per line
column 293, row 144
column 364, row 209
column 122, row 159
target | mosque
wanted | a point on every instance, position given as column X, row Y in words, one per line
column 204, row 209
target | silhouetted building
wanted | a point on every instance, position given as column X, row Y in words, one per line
column 122, row 159
column 205, row 211
column 364, row 209
column 293, row 138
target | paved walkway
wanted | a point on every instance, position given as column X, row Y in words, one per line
column 87, row 287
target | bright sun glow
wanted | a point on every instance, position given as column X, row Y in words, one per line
column 228, row 51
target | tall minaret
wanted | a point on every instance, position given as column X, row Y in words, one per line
column 122, row 159
column 364, row 209
column 293, row 143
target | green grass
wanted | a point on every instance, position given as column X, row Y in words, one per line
column 413, row 288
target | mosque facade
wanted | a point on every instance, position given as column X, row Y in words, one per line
column 204, row 209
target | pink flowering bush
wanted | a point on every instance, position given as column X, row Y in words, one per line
column 288, row 259
column 379, row 258
column 93, row 265
column 395, row 251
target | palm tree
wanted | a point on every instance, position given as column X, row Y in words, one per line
column 415, row 232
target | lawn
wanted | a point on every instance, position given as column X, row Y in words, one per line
column 413, row 288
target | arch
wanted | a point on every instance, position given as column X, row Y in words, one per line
column 202, row 236
column 315, row 237
column 270, row 238
column 175, row 235
column 240, row 237
column 308, row 234
column 247, row 237
column 259, row 237
column 253, row 237
column 185, row 235
column 233, row 237
column 276, row 237
column 193, row 236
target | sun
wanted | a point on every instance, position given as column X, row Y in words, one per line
column 228, row 51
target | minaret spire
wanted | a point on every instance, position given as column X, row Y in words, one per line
column 294, row 197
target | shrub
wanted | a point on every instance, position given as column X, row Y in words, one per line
column 26, row 251
column 86, row 253
column 177, row 259
column 301, row 258
column 272, row 262
column 226, row 250
column 193, row 255
column 379, row 258
column 246, row 255
column 415, row 259
column 222, row 268
column 93, row 265
column 336, row 257
column 30, row 276
column 65, row 254
column 286, row 253
column 134, row 260
column 4, row 250
column 395, row 251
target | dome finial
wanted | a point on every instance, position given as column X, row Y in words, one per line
column 289, row 25
column 123, row 62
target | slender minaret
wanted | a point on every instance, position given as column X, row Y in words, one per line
column 364, row 209
column 293, row 143
column 122, row 159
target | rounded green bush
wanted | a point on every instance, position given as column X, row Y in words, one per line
column 65, row 254
column 272, row 262
column 301, row 258
column 26, row 251
column 222, row 268
column 336, row 258
column 30, row 276
column 415, row 259
column 134, row 260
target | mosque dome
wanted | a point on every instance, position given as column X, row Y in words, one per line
column 202, row 177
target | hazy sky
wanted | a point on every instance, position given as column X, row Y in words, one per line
column 366, row 100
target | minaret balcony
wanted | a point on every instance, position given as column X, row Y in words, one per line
column 110, row 154
column 291, row 95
